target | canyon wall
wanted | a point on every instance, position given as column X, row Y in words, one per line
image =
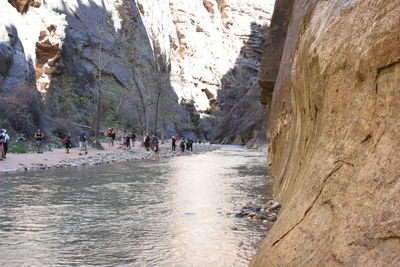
column 212, row 50
column 215, row 49
column 333, row 93
column 44, row 42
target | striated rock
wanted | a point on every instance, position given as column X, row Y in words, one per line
column 48, row 53
column 212, row 50
column 334, row 132
column 26, row 38
column 215, row 49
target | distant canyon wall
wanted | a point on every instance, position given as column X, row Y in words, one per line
column 331, row 77
column 214, row 48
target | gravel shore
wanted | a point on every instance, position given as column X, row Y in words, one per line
column 59, row 159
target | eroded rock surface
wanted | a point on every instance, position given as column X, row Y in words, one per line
column 334, row 129
column 214, row 48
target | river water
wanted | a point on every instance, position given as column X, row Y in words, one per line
column 170, row 212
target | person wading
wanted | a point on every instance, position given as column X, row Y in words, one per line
column 39, row 136
column 83, row 142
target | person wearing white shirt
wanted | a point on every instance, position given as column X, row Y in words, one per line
column 6, row 138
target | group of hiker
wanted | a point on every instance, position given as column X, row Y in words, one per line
column 66, row 141
column 82, row 141
column 128, row 141
column 183, row 143
column 151, row 143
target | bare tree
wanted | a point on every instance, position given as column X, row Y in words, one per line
column 100, row 64
column 162, row 66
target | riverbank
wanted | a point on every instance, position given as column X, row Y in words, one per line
column 59, row 159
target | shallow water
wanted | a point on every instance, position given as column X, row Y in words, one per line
column 170, row 212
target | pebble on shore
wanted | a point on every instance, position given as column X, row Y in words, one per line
column 116, row 156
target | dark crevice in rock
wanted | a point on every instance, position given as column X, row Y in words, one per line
column 336, row 169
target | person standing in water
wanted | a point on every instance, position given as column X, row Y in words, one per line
column 39, row 137
column 83, row 142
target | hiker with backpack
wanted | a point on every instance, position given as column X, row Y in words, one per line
column 182, row 144
column 83, row 142
column 189, row 146
column 6, row 138
column 67, row 143
column 2, row 141
column 146, row 142
column 127, row 141
column 111, row 137
column 155, row 146
column 173, row 141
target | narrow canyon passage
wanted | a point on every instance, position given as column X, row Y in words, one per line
column 171, row 212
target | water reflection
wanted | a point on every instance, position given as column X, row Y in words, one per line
column 166, row 213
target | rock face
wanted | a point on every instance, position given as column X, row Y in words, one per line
column 80, row 39
column 213, row 49
column 334, row 131
column 30, row 45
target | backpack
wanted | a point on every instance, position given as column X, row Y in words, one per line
column 108, row 133
column 65, row 140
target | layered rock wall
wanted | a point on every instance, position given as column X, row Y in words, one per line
column 334, row 130
column 213, row 48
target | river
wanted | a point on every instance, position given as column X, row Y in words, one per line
column 170, row 212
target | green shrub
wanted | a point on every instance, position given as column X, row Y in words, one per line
column 19, row 147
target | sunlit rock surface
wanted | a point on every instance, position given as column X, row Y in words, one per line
column 335, row 134
column 214, row 48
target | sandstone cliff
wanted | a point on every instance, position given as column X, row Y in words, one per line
column 215, row 48
column 334, row 130
column 212, row 50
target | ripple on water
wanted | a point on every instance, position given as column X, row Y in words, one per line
column 165, row 213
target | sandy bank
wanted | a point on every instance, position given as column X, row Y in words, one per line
column 59, row 159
